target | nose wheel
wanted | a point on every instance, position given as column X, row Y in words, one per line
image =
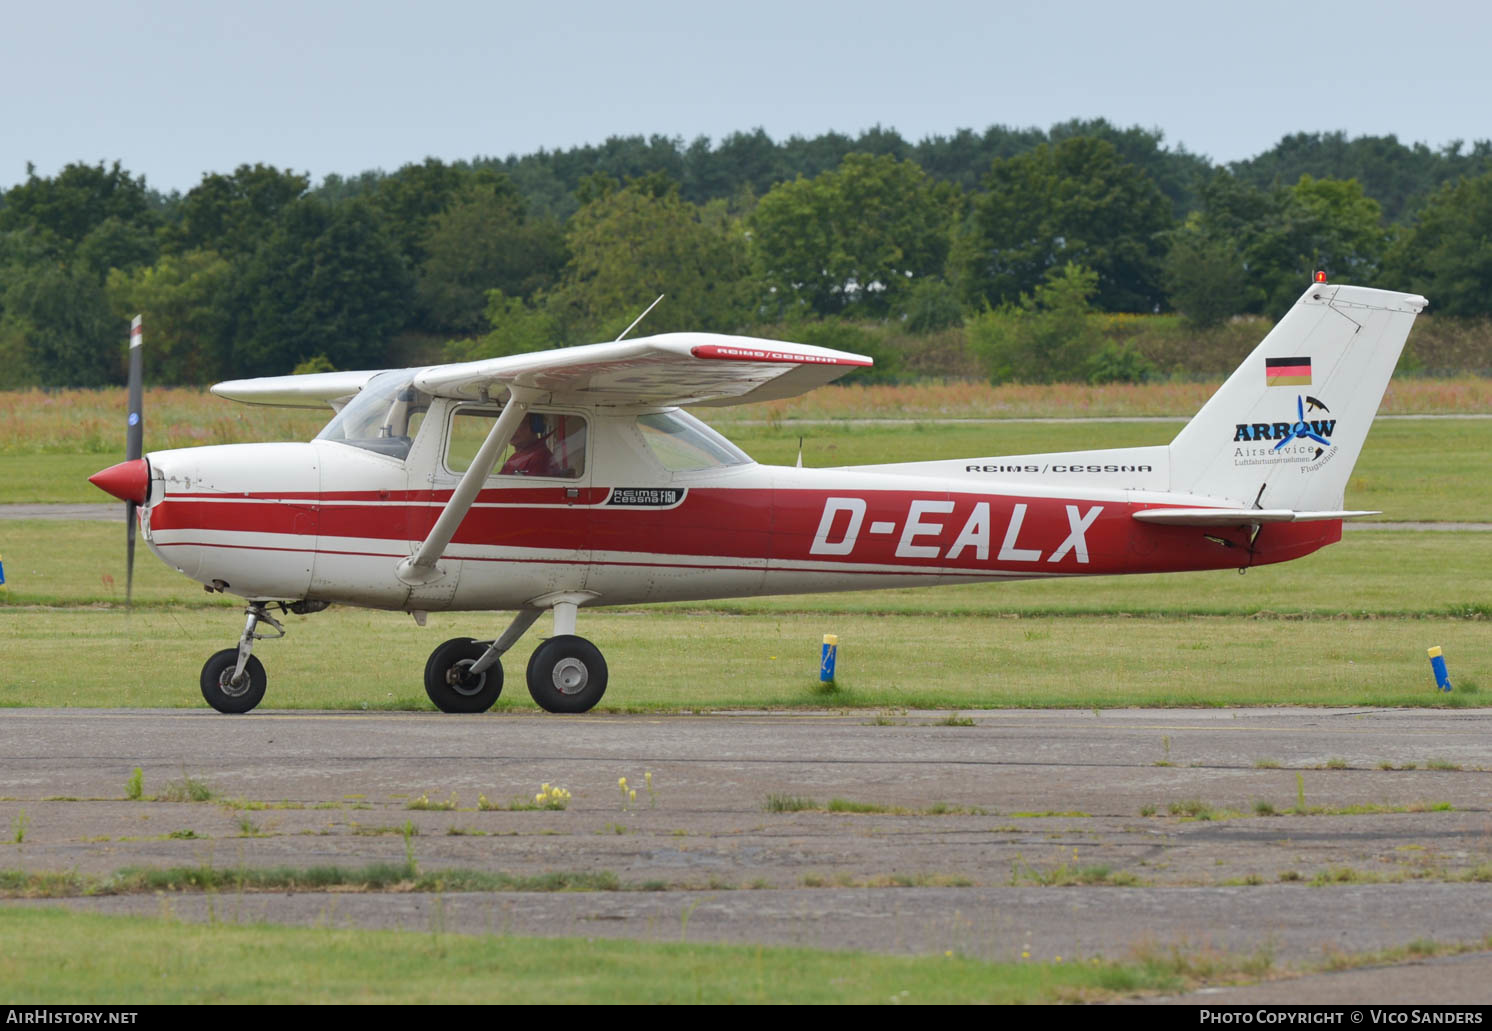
column 233, row 681
column 219, row 688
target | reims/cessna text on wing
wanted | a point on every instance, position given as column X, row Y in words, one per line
column 570, row 478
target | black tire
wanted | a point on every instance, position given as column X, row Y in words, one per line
column 451, row 688
column 217, row 688
column 567, row 674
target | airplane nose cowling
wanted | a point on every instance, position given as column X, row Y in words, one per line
column 127, row 481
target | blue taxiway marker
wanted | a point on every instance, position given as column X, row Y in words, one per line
column 1437, row 666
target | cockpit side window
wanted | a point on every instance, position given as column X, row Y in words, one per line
column 548, row 445
column 384, row 417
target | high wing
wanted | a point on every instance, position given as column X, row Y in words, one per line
column 662, row 371
column 710, row 369
column 309, row 391
column 670, row 369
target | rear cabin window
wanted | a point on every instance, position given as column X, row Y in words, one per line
column 546, row 445
column 681, row 443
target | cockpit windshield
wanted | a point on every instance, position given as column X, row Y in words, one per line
column 384, row 417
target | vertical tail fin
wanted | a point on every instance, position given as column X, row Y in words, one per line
column 1286, row 428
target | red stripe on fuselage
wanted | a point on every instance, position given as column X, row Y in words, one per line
column 973, row 532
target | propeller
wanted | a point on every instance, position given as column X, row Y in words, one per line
column 130, row 480
column 134, row 449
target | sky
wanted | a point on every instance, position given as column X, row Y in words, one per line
column 174, row 89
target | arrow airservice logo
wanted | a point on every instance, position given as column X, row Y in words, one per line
column 1303, row 441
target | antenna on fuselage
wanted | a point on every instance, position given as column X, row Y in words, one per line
column 639, row 319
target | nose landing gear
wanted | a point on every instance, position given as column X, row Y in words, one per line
column 233, row 681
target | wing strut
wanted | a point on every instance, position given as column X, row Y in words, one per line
column 420, row 567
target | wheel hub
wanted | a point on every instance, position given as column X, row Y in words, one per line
column 461, row 680
column 570, row 676
column 229, row 688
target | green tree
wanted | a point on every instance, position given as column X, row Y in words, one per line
column 748, row 159
column 57, row 323
column 1044, row 337
column 517, row 328
column 485, row 242
column 1317, row 223
column 1205, row 278
column 59, row 237
column 233, row 214
column 69, row 206
column 629, row 245
column 1253, row 251
column 932, row 304
column 1075, row 202
column 1400, row 177
column 855, row 239
column 1447, row 255
column 1177, row 172
column 186, row 301
column 117, row 244
column 413, row 199
column 327, row 281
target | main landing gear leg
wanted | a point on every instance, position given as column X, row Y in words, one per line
column 566, row 673
column 464, row 675
column 233, row 680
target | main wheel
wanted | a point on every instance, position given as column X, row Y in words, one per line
column 450, row 683
column 218, row 687
column 567, row 674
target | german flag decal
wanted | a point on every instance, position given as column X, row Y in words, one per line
column 1287, row 372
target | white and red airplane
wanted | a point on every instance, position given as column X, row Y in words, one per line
column 570, row 478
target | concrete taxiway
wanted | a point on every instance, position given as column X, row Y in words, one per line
column 1293, row 833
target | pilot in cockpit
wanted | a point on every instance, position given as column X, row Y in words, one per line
column 531, row 455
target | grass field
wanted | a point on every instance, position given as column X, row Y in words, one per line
column 680, row 659
column 53, row 956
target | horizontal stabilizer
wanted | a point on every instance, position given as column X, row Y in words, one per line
column 1237, row 516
